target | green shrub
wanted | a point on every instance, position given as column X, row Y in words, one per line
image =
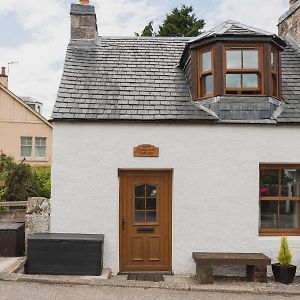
column 18, row 181
column 284, row 255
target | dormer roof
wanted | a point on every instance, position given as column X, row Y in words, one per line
column 234, row 29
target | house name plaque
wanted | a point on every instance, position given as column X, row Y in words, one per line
column 146, row 150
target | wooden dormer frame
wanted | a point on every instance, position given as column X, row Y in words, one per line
column 218, row 50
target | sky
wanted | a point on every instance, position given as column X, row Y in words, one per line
column 34, row 33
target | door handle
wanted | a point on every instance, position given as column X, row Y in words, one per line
column 124, row 221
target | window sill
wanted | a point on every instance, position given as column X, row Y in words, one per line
column 274, row 234
column 34, row 159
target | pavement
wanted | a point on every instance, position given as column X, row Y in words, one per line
column 13, row 279
column 39, row 291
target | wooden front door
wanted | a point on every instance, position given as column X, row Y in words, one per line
column 145, row 221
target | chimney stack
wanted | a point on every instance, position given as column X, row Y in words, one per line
column 4, row 77
column 289, row 23
column 83, row 21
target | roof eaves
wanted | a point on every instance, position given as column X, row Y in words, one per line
column 25, row 104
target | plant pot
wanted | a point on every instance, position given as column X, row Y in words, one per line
column 282, row 274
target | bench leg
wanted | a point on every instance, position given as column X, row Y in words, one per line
column 204, row 274
column 257, row 273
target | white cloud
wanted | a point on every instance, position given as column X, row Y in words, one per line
column 263, row 14
column 41, row 60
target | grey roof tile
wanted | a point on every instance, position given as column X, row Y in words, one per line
column 126, row 79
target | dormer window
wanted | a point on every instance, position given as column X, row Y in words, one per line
column 234, row 59
column 206, row 73
column 243, row 74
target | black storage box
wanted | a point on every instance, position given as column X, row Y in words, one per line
column 65, row 254
column 12, row 236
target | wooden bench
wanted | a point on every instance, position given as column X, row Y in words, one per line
column 256, row 265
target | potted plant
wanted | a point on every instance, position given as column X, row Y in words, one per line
column 283, row 271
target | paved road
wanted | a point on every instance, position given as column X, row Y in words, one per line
column 38, row 291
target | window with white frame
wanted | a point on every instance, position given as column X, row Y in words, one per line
column 40, row 147
column 26, row 146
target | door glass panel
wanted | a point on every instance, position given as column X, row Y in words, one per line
column 140, row 191
column 139, row 203
column 290, row 182
column 140, row 216
column 269, row 183
column 151, row 204
column 151, row 216
column 151, row 191
column 268, row 214
column 145, row 203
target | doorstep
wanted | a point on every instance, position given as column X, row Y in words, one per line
column 171, row 282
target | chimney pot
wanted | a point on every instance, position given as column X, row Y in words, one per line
column 84, row 2
column 3, row 77
column 293, row 2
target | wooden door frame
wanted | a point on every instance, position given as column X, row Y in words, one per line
column 170, row 214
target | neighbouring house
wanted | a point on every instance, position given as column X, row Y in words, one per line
column 174, row 145
column 24, row 133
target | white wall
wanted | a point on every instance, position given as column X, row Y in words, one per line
column 215, row 183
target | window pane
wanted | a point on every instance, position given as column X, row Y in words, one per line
column 26, row 151
column 151, row 203
column 288, row 215
column 40, row 141
column 234, row 59
column 150, row 191
column 250, row 59
column 233, row 81
column 272, row 60
column 140, row 191
column 26, row 146
column 206, row 61
column 140, row 216
column 290, row 182
column 268, row 214
column 139, row 203
column 151, row 216
column 208, row 85
column 250, row 81
column 269, row 183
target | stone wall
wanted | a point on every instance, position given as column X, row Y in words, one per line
column 291, row 25
column 37, row 218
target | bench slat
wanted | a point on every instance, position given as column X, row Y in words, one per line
column 211, row 258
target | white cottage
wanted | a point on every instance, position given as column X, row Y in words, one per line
column 174, row 145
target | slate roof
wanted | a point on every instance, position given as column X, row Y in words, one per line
column 126, row 79
column 139, row 79
column 290, row 85
column 231, row 27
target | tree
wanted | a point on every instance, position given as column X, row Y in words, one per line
column 18, row 181
column 180, row 22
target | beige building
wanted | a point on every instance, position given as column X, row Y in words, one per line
column 24, row 133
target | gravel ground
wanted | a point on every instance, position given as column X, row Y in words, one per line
column 32, row 291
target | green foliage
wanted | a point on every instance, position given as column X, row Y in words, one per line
column 180, row 22
column 18, row 181
column 284, row 255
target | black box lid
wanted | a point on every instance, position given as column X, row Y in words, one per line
column 67, row 237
